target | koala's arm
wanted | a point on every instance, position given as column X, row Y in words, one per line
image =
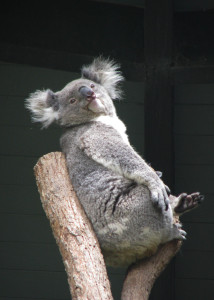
column 108, row 149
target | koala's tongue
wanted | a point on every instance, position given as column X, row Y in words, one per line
column 96, row 106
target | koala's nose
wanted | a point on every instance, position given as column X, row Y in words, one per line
column 87, row 92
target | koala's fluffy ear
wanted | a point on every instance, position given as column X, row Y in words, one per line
column 44, row 107
column 106, row 73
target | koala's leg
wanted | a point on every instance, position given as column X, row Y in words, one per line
column 184, row 203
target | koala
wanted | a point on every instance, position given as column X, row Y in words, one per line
column 128, row 204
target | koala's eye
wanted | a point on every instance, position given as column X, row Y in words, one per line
column 92, row 85
column 72, row 100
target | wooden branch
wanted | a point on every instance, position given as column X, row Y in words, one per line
column 142, row 275
column 79, row 247
column 84, row 264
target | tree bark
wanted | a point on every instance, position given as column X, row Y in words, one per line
column 83, row 261
column 78, row 244
column 142, row 275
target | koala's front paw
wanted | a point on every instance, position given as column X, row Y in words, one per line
column 159, row 195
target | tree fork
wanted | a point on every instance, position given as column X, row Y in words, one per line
column 142, row 275
column 78, row 244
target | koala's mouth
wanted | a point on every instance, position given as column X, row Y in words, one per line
column 95, row 105
column 91, row 97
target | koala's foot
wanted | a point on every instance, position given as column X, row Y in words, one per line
column 178, row 232
column 188, row 202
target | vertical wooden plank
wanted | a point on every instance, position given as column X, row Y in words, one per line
column 158, row 32
column 158, row 19
column 158, row 90
column 159, row 122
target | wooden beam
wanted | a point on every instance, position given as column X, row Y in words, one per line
column 192, row 74
column 59, row 60
column 158, row 34
column 133, row 71
column 45, row 58
column 159, row 122
column 159, row 150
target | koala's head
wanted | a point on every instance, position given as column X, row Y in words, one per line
column 81, row 100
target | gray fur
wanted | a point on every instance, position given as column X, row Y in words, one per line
column 106, row 73
column 122, row 195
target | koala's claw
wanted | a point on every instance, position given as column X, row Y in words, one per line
column 167, row 190
column 159, row 173
column 180, row 234
column 160, row 198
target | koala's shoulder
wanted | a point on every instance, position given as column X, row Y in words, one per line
column 93, row 133
column 100, row 131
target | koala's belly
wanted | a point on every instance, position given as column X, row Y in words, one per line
column 123, row 257
column 123, row 248
column 127, row 224
column 136, row 229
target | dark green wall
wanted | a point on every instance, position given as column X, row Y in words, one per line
column 194, row 171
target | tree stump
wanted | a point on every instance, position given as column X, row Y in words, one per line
column 78, row 244
column 82, row 258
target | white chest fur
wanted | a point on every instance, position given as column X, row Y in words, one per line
column 116, row 123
